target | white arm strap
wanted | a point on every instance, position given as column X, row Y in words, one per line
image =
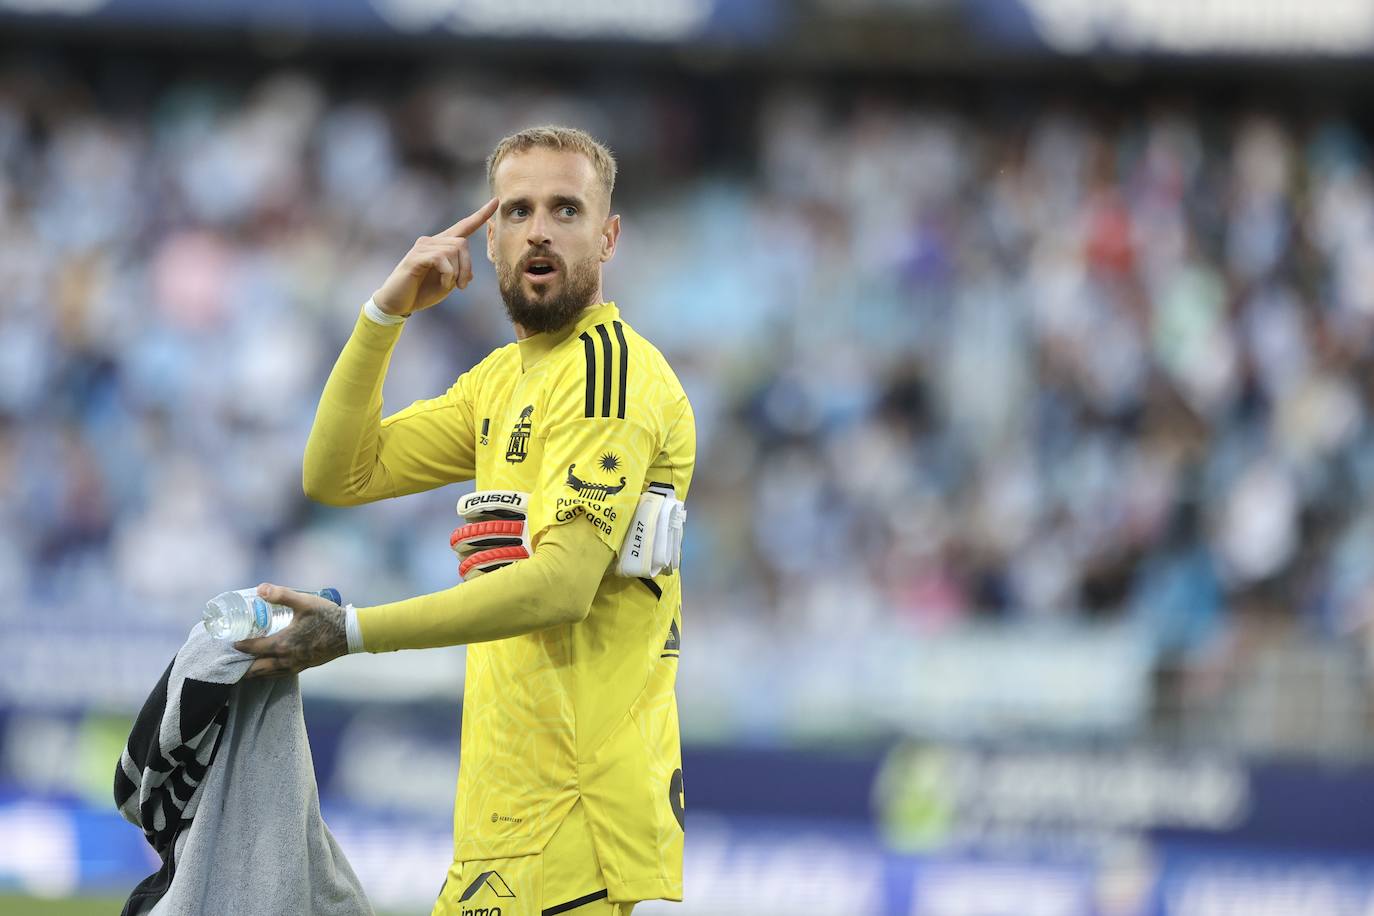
column 653, row 542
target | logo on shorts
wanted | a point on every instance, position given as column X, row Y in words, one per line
column 592, row 491
column 493, row 882
column 518, row 447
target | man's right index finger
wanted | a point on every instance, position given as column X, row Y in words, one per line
column 470, row 224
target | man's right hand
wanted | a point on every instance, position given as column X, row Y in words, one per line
column 431, row 269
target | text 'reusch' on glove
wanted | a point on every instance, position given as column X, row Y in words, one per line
column 495, row 533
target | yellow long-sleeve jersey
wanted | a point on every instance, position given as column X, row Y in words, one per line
column 584, row 420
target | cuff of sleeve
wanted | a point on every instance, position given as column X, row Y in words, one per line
column 355, row 632
column 374, row 311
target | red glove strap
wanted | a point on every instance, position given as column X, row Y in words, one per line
column 495, row 554
column 497, row 528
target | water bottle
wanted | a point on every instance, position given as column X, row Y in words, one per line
column 242, row 614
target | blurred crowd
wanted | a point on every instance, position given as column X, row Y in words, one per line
column 1054, row 366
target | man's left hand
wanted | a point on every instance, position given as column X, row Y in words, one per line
column 315, row 635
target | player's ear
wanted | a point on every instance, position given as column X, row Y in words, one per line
column 610, row 234
column 491, row 242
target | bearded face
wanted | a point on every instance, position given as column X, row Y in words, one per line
column 543, row 292
column 549, row 236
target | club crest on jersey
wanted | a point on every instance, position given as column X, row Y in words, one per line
column 593, row 491
column 518, row 447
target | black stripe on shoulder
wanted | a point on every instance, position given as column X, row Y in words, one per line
column 624, row 368
column 573, row 904
column 652, row 586
column 605, row 370
column 589, row 350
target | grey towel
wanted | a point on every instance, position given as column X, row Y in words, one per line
column 219, row 777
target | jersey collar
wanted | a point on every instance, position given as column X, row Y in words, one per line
column 537, row 346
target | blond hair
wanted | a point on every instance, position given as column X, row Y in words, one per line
column 562, row 139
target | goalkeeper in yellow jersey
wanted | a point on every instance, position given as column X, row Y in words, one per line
column 582, row 444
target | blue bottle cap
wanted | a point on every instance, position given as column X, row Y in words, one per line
column 260, row 613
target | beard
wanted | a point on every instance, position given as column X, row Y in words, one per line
column 551, row 307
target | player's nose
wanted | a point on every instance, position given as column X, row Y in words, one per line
column 537, row 231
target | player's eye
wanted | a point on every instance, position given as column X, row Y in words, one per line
column 568, row 211
column 517, row 212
